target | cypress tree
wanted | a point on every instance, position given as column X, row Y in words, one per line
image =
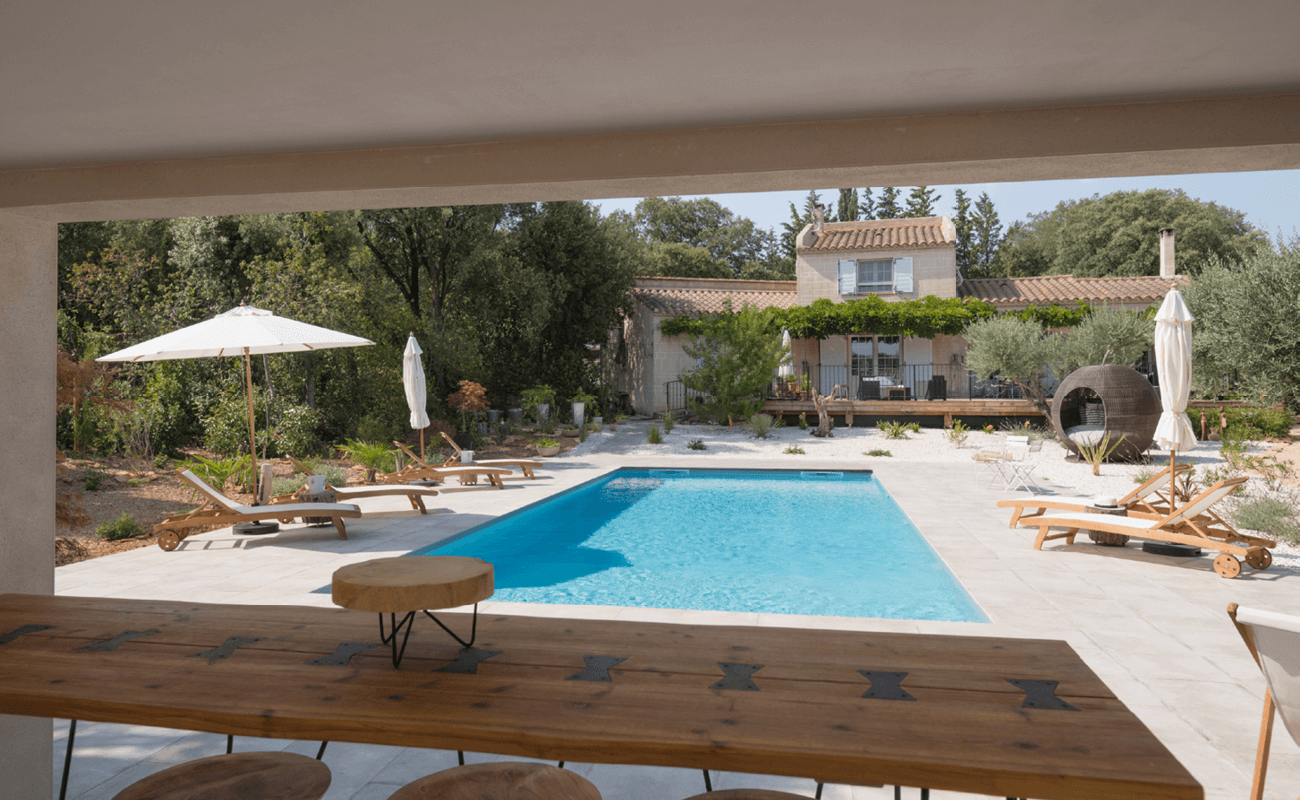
column 847, row 208
column 987, row 236
column 866, row 205
column 888, row 207
column 920, row 202
column 964, row 224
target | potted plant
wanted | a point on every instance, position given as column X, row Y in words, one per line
column 470, row 400
column 547, row 447
column 538, row 400
column 580, row 400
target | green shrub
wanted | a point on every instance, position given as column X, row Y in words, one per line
column 803, row 421
column 893, row 430
column 1270, row 516
column 377, row 456
column 696, row 444
column 957, row 433
column 93, row 479
column 217, row 471
column 793, row 450
column 545, row 442
column 653, row 437
column 124, row 527
column 374, row 429
column 162, row 461
column 297, row 431
column 1244, row 422
column 882, row 453
column 760, row 425
column 669, row 422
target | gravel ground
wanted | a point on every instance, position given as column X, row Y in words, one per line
column 850, row 445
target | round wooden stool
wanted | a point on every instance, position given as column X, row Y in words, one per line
column 500, row 780
column 241, row 776
column 410, row 584
column 747, row 794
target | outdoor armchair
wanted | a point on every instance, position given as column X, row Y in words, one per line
column 1274, row 642
column 218, row 510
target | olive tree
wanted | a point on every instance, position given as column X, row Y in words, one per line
column 738, row 352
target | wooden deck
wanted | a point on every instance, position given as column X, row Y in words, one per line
column 1003, row 717
column 948, row 409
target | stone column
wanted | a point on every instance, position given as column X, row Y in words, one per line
column 28, row 277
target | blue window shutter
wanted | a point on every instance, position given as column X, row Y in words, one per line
column 903, row 275
column 848, row 277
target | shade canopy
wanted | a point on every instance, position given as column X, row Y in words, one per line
column 413, row 382
column 1174, row 365
column 243, row 330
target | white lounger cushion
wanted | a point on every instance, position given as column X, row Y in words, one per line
column 1277, row 640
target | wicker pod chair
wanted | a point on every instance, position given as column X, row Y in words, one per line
column 1118, row 397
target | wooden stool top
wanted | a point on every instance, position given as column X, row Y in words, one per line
column 412, row 583
column 747, row 794
column 237, row 776
column 500, row 780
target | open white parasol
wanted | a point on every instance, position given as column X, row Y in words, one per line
column 416, row 391
column 1174, row 366
column 242, row 330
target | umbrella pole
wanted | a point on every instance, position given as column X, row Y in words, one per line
column 1173, row 497
column 252, row 426
column 422, row 444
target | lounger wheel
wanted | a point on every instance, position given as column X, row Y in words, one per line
column 169, row 540
column 1259, row 559
column 1227, row 565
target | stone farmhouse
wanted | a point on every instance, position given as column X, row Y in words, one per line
column 895, row 259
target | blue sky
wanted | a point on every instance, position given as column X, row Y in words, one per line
column 1270, row 200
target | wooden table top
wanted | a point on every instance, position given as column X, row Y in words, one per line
column 827, row 705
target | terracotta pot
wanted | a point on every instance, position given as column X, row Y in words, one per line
column 548, row 451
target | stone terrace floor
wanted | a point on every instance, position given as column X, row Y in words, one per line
column 1153, row 628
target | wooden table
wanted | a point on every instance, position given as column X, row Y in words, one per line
column 828, row 705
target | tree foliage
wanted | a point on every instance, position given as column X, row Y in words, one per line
column 1246, row 324
column 887, row 206
column 920, row 202
column 986, row 237
column 1118, row 234
column 729, row 239
column 1106, row 336
column 1015, row 349
column 737, row 352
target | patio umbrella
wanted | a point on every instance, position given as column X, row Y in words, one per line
column 1174, row 366
column 245, row 330
column 787, row 369
column 416, row 391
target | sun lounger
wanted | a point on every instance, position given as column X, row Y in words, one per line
column 1146, row 498
column 420, row 471
column 1193, row 523
column 525, row 465
column 1274, row 641
column 219, row 510
column 415, row 494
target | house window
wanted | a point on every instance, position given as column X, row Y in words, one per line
column 879, row 276
column 876, row 356
column 875, row 276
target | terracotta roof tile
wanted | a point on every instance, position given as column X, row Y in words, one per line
column 1066, row 290
column 880, row 234
column 694, row 302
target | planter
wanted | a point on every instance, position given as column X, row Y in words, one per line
column 548, row 451
column 494, row 416
column 482, row 429
column 572, row 433
column 515, row 415
column 543, row 411
column 597, row 421
column 579, row 412
column 467, row 456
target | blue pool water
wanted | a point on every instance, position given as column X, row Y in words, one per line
column 832, row 544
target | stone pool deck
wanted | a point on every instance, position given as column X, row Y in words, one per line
column 1153, row 628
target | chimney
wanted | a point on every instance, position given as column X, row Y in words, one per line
column 1167, row 253
column 819, row 217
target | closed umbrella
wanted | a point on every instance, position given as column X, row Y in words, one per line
column 1174, row 366
column 416, row 391
column 786, row 369
column 245, row 330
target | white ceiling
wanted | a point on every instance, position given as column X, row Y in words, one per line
column 141, row 80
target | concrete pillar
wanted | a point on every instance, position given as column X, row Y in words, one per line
column 28, row 278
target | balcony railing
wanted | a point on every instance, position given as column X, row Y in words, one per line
column 907, row 382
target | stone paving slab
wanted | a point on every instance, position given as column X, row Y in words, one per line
column 1154, row 628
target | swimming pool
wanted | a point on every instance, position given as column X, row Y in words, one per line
column 779, row 541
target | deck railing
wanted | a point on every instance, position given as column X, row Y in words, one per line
column 908, row 382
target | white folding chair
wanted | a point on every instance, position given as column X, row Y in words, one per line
column 1274, row 642
column 1020, row 463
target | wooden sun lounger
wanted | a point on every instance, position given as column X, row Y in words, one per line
column 219, row 510
column 420, row 471
column 1146, row 499
column 526, row 465
column 1193, row 523
column 415, row 494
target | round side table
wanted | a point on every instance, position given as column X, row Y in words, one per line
column 1107, row 538
column 408, row 585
